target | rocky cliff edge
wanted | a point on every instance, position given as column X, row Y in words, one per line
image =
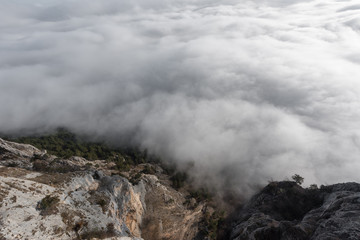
column 286, row 211
column 45, row 197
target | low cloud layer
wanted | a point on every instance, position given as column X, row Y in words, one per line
column 249, row 92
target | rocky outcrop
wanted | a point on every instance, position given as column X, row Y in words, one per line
column 167, row 217
column 20, row 150
column 45, row 197
column 82, row 207
column 15, row 154
column 286, row 211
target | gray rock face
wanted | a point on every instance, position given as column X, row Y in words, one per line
column 23, row 150
column 45, row 197
column 14, row 154
column 286, row 211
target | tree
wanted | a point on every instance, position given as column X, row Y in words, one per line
column 298, row 179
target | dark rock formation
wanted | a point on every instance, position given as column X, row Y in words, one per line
column 286, row 211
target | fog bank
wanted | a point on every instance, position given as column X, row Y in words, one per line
column 249, row 92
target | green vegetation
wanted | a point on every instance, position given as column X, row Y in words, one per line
column 298, row 179
column 99, row 234
column 101, row 202
column 47, row 205
column 47, row 202
column 178, row 180
column 65, row 144
column 82, row 231
column 201, row 194
column 53, row 167
column 148, row 170
column 12, row 164
column 213, row 223
column 135, row 179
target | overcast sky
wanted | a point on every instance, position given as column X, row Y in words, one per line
column 249, row 91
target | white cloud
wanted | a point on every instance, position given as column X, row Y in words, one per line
column 256, row 90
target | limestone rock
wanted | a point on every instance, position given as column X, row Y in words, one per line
column 45, row 197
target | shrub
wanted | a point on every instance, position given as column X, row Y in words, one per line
column 298, row 179
column 12, row 164
column 148, row 170
column 47, row 205
column 103, row 203
column 178, row 180
column 79, row 225
column 201, row 194
column 100, row 234
column 135, row 179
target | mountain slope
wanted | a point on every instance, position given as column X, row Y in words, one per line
column 45, row 197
